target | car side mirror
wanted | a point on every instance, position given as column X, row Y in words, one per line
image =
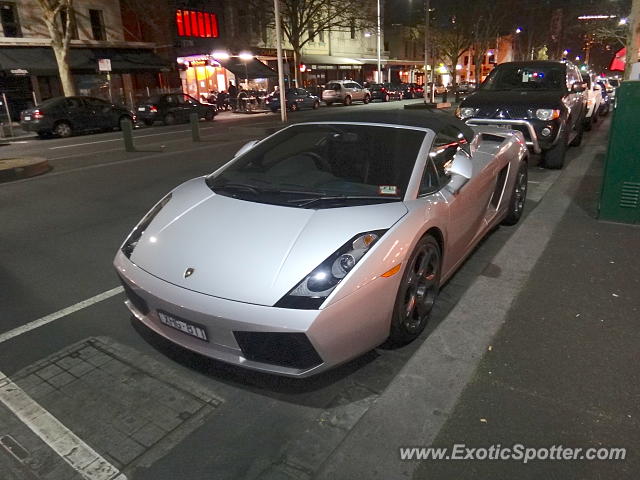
column 461, row 171
column 246, row 147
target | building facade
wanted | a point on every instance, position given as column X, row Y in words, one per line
column 29, row 72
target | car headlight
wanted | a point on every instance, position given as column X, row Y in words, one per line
column 314, row 289
column 465, row 112
column 547, row 114
column 132, row 240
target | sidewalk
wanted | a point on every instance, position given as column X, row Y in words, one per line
column 563, row 370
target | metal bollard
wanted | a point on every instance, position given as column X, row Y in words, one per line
column 126, row 126
column 194, row 120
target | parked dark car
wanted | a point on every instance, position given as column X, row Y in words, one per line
column 545, row 100
column 385, row 91
column 64, row 116
column 172, row 108
column 607, row 102
column 412, row 90
column 297, row 99
column 464, row 87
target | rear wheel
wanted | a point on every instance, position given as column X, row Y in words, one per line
column 169, row 119
column 210, row 115
column 366, row 99
column 347, row 101
column 417, row 293
column 316, row 105
column 294, row 107
column 554, row 157
column 518, row 196
column 63, row 129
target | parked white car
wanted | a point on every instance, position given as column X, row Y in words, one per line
column 345, row 91
column 594, row 100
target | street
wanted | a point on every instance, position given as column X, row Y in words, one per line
column 136, row 404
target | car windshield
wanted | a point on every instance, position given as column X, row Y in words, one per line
column 324, row 166
column 518, row 77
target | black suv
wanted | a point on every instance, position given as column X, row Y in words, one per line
column 545, row 100
column 172, row 108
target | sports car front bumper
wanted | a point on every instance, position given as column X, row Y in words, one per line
column 296, row 343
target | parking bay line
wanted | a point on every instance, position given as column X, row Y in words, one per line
column 59, row 314
column 80, row 456
column 120, row 139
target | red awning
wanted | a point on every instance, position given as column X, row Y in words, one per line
column 619, row 60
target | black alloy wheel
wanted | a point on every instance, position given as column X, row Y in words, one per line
column 418, row 291
column 518, row 196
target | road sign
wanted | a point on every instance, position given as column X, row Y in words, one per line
column 104, row 64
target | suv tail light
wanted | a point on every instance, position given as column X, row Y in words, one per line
column 153, row 109
column 38, row 114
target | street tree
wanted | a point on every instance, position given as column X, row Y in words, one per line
column 452, row 40
column 305, row 20
column 58, row 17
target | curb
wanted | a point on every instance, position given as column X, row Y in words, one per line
column 22, row 167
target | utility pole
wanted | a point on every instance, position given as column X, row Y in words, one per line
column 379, row 75
column 426, row 47
column 283, row 95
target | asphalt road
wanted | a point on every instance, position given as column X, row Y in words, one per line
column 58, row 237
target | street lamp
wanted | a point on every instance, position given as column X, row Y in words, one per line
column 246, row 57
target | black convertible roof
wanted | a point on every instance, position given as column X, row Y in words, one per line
column 435, row 120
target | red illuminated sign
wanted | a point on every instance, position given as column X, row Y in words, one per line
column 191, row 23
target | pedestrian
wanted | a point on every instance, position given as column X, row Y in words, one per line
column 233, row 95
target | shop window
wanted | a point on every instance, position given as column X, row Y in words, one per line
column 63, row 22
column 191, row 23
column 9, row 19
column 97, row 24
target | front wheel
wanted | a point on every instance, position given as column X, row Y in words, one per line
column 577, row 140
column 366, row 99
column 554, row 157
column 294, row 107
column 518, row 196
column 418, row 291
column 316, row 105
column 170, row 119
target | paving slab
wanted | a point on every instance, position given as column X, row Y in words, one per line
column 127, row 406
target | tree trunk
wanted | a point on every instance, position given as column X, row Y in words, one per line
column 68, row 85
column 296, row 66
column 633, row 38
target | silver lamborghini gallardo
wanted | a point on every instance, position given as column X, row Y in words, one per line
column 322, row 241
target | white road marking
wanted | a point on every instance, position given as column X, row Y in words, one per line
column 120, row 139
column 59, row 314
column 82, row 458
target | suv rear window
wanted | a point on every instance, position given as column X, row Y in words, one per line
column 333, row 86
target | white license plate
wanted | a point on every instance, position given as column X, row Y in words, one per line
column 27, row 118
column 184, row 326
column 141, row 109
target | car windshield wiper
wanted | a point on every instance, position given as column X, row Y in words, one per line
column 302, row 202
column 260, row 190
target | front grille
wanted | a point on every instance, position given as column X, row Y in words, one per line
column 276, row 348
column 134, row 298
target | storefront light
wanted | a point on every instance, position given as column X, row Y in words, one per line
column 220, row 55
column 245, row 56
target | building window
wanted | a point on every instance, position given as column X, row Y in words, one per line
column 97, row 25
column 9, row 19
column 191, row 23
column 353, row 29
column 63, row 22
column 310, row 33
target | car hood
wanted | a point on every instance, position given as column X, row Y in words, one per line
column 515, row 98
column 246, row 251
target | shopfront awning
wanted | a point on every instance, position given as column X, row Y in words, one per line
column 329, row 60
column 253, row 68
column 41, row 60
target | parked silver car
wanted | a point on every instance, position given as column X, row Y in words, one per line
column 345, row 91
column 322, row 241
